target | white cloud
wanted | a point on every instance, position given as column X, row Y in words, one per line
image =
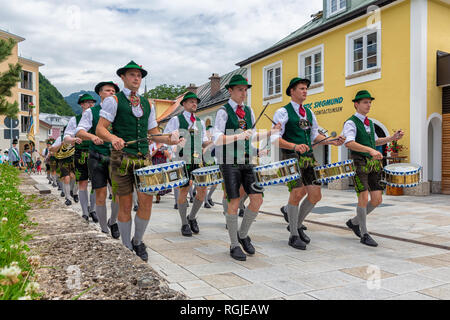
column 178, row 42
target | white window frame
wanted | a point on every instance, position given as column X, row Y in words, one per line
column 339, row 8
column 277, row 97
column 301, row 67
column 32, row 77
column 349, row 55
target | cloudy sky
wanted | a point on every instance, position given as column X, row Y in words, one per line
column 179, row 42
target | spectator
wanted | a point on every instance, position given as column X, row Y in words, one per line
column 38, row 165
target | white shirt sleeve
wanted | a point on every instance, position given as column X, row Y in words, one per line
column 57, row 142
column 219, row 125
column 315, row 128
column 71, row 128
column 172, row 125
column 349, row 131
column 204, row 136
column 109, row 109
column 280, row 116
column 85, row 122
column 152, row 118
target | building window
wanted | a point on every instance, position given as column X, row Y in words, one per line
column 363, row 55
column 26, row 80
column 311, row 65
column 272, row 80
column 25, row 101
column 336, row 6
column 25, row 122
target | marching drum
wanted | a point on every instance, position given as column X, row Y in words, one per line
column 276, row 173
column 160, row 177
column 402, row 175
column 335, row 171
column 207, row 176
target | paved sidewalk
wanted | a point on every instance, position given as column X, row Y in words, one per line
column 334, row 266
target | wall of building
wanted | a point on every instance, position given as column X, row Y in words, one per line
column 391, row 107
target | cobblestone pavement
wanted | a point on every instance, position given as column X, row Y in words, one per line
column 335, row 264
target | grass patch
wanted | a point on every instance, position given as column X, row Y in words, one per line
column 16, row 266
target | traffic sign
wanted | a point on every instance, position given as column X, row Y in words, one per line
column 8, row 120
column 7, row 134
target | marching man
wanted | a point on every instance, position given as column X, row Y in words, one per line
column 99, row 153
column 196, row 139
column 132, row 118
column 362, row 141
column 299, row 129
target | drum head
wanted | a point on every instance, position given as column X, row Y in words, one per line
column 402, row 168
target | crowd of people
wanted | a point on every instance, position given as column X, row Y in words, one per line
column 29, row 161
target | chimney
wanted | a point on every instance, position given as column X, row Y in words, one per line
column 192, row 88
column 215, row 84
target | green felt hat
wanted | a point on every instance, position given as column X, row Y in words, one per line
column 294, row 82
column 131, row 65
column 86, row 97
column 190, row 95
column 363, row 94
column 209, row 127
column 101, row 84
column 237, row 80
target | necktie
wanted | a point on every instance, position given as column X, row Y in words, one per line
column 134, row 99
column 302, row 110
column 366, row 121
column 192, row 118
column 240, row 112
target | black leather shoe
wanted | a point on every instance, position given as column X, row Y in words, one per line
column 59, row 187
column 194, row 225
column 303, row 236
column 297, row 243
column 135, row 208
column 247, row 245
column 141, row 250
column 110, row 197
column 368, row 241
column 54, row 185
column 49, row 182
column 241, row 212
column 175, row 206
column 71, row 193
column 285, row 214
column 207, row 205
column 85, row 218
column 76, row 198
column 237, row 254
column 68, row 202
column 211, row 202
column 186, row 230
column 63, row 194
column 354, row 227
column 93, row 215
column 115, row 233
column 304, row 227
column 191, row 200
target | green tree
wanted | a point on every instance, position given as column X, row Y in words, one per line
column 8, row 80
column 51, row 100
column 165, row 91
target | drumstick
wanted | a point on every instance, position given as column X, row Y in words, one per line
column 148, row 136
column 259, row 117
column 270, row 119
column 333, row 134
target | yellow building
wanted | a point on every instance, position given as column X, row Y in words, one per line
column 389, row 48
column 26, row 91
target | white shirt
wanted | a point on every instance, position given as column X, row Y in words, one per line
column 71, row 128
column 85, row 121
column 57, row 142
column 109, row 110
column 222, row 118
column 349, row 131
column 281, row 116
column 174, row 124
